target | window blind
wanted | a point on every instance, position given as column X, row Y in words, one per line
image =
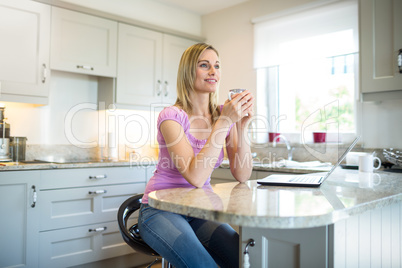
column 323, row 31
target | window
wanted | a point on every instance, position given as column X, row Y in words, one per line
column 307, row 70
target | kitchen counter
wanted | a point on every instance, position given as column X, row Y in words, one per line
column 343, row 194
column 302, row 227
column 9, row 166
column 13, row 166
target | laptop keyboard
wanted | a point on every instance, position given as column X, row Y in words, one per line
column 306, row 179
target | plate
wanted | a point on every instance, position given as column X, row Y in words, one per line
column 350, row 166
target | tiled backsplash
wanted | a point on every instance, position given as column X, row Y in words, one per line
column 72, row 152
column 265, row 152
column 324, row 152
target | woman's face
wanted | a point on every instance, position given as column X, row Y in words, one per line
column 208, row 72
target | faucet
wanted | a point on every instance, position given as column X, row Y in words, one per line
column 289, row 148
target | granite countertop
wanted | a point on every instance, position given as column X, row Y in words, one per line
column 37, row 165
column 13, row 166
column 343, row 194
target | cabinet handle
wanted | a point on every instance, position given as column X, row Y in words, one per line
column 100, row 229
column 34, row 196
column 159, row 88
column 98, row 177
column 400, row 61
column 166, row 88
column 85, row 67
column 98, row 192
column 44, row 73
column 246, row 259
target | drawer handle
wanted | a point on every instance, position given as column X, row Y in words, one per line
column 34, row 196
column 98, row 177
column 98, row 192
column 44, row 76
column 159, row 88
column 166, row 88
column 85, row 67
column 100, row 229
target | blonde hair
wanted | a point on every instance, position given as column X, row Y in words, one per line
column 186, row 76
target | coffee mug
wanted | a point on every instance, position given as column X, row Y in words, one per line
column 366, row 163
column 235, row 91
column 352, row 158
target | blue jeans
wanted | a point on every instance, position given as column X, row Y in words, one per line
column 189, row 242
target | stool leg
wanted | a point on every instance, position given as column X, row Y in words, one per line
column 152, row 263
column 166, row 264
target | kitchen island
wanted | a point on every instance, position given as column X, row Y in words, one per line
column 352, row 220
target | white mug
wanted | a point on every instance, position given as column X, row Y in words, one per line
column 366, row 163
column 352, row 158
column 235, row 91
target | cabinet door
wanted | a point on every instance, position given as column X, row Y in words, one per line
column 173, row 48
column 380, row 41
column 70, row 207
column 82, row 43
column 139, row 75
column 24, row 51
column 301, row 248
column 83, row 244
column 19, row 228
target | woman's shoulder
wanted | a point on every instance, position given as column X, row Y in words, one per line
column 173, row 113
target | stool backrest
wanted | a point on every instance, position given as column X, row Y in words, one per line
column 131, row 234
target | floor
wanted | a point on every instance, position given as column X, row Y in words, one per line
column 156, row 265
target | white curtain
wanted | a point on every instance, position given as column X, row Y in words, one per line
column 307, row 34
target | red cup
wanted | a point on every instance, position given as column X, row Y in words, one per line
column 272, row 135
column 319, row 137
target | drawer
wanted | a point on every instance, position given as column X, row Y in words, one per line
column 70, row 207
column 74, row 246
column 65, row 178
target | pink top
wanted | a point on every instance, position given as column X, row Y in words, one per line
column 166, row 175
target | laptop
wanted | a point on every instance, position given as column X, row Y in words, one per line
column 303, row 180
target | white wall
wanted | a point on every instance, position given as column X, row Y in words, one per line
column 46, row 124
column 231, row 32
column 72, row 118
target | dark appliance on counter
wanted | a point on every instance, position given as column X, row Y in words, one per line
column 4, row 137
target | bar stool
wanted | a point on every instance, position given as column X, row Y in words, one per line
column 131, row 235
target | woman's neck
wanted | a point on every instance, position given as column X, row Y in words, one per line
column 200, row 103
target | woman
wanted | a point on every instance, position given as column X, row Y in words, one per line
column 191, row 137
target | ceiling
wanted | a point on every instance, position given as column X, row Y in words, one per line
column 202, row 7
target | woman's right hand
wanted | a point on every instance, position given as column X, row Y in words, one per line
column 235, row 109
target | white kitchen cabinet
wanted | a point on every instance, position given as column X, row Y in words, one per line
column 82, row 43
column 78, row 213
column 24, row 51
column 19, row 225
column 380, row 42
column 305, row 248
column 147, row 66
column 173, row 48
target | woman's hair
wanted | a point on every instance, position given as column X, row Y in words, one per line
column 186, row 77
